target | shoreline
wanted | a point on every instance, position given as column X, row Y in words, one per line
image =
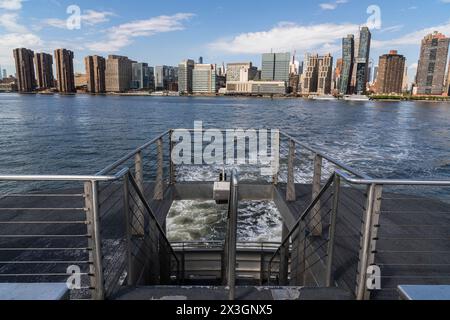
column 273, row 97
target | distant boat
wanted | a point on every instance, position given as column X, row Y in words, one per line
column 356, row 97
column 323, row 97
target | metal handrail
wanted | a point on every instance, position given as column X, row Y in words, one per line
column 300, row 219
column 150, row 211
column 231, row 240
column 397, row 182
column 117, row 176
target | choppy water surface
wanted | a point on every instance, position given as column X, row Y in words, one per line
column 82, row 134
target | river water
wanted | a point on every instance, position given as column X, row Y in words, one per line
column 82, row 134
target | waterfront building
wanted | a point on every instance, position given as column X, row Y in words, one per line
column 241, row 71
column 141, row 76
column 337, row 74
column 204, row 78
column 64, row 70
column 391, row 69
column 118, row 73
column 275, row 66
column 348, row 50
column 96, row 74
column 26, row 81
column 375, row 74
column 256, row 87
column 431, row 69
column 318, row 74
column 165, row 77
column 44, row 70
column 362, row 60
column 294, row 83
column 405, row 85
column 185, row 70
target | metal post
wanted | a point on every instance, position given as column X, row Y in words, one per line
column 159, row 186
column 232, row 230
column 172, row 168
column 94, row 240
column 138, row 218
column 315, row 222
column 290, row 194
column 262, row 265
column 334, row 211
column 276, row 149
column 284, row 258
column 368, row 240
column 298, row 265
column 131, row 278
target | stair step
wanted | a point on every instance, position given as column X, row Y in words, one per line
column 242, row 293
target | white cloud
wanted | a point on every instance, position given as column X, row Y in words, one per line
column 332, row 5
column 287, row 36
column 16, row 40
column 9, row 22
column 11, row 4
column 122, row 35
column 413, row 38
column 89, row 17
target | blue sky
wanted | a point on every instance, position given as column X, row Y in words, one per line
column 165, row 32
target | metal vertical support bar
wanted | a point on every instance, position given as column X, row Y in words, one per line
column 159, row 185
column 284, row 258
column 262, row 265
column 334, row 211
column 164, row 258
column 315, row 222
column 138, row 218
column 94, row 240
column 275, row 148
column 232, row 231
column 290, row 194
column 131, row 277
column 368, row 239
column 299, row 265
column 172, row 179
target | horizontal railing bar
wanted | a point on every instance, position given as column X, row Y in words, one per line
column 45, row 236
column 45, row 249
column 66, row 178
column 42, row 209
column 398, row 182
column 40, row 274
column 130, row 155
column 62, row 195
column 44, row 222
column 45, row 262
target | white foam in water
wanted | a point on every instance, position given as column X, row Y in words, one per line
column 205, row 220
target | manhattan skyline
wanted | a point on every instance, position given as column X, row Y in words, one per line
column 166, row 33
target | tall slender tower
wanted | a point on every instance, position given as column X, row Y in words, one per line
column 362, row 61
column 432, row 64
column 348, row 49
column 26, row 81
column 44, row 70
column 64, row 70
column 95, row 72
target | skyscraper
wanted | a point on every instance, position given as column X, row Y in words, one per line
column 391, row 69
column 165, row 77
column 338, row 74
column 432, row 64
column 118, row 73
column 96, row 74
column 204, row 78
column 4, row 74
column 275, row 66
column 318, row 74
column 140, row 79
column 185, row 69
column 64, row 70
column 44, row 70
column 26, row 81
column 348, row 49
column 362, row 60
